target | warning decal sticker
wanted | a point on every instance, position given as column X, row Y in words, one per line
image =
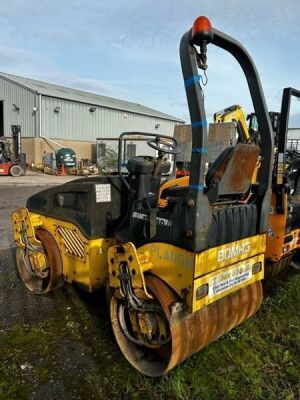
column 103, row 193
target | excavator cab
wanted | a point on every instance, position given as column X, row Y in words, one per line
column 236, row 114
column 177, row 277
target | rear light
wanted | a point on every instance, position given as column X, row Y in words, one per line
column 256, row 268
column 201, row 291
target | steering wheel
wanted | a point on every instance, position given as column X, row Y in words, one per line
column 166, row 147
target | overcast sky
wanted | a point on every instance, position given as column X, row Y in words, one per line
column 129, row 48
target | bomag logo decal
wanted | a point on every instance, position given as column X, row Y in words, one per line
column 233, row 251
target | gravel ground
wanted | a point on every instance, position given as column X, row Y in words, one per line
column 34, row 179
column 15, row 191
column 11, row 198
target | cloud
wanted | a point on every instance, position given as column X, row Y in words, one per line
column 129, row 49
column 40, row 68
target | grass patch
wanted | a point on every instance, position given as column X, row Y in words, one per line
column 73, row 352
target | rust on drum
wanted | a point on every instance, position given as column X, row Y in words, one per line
column 189, row 332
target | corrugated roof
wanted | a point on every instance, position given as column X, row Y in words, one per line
column 62, row 92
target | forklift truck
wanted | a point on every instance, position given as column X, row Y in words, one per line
column 8, row 163
column 177, row 277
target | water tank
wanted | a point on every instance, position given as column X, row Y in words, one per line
column 65, row 156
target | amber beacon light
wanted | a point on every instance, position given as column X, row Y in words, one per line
column 202, row 34
column 202, row 30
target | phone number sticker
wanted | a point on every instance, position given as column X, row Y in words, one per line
column 229, row 279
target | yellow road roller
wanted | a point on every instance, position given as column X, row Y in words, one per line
column 179, row 276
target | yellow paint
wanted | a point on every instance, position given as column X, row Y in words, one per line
column 24, row 225
column 206, row 279
column 277, row 222
column 136, row 261
column 183, row 181
column 235, row 114
column 227, row 254
column 90, row 272
column 39, row 260
column 182, row 270
column 173, row 265
column 280, row 168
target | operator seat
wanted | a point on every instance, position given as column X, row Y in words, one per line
column 230, row 175
column 229, row 180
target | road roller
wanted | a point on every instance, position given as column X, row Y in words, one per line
column 177, row 277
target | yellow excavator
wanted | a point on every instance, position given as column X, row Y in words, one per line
column 177, row 277
column 235, row 114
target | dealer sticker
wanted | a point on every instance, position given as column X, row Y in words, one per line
column 103, row 193
column 229, row 279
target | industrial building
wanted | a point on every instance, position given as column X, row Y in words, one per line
column 50, row 116
column 293, row 140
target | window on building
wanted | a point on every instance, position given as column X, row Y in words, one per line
column 101, row 155
column 131, row 150
column 102, row 149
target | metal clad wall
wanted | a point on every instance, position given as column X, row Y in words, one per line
column 294, row 133
column 11, row 94
column 74, row 121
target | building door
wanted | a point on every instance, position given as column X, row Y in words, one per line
column 131, row 151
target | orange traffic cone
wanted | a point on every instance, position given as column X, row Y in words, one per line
column 63, row 170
